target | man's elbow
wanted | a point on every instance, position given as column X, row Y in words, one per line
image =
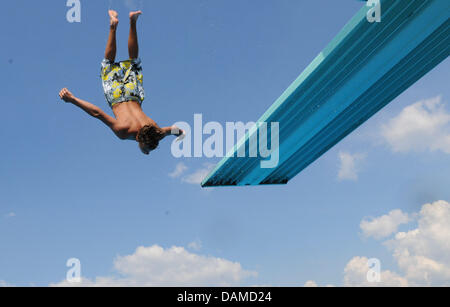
column 97, row 113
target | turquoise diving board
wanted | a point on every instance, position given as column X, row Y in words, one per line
column 364, row 68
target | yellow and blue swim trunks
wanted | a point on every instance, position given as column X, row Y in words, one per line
column 122, row 81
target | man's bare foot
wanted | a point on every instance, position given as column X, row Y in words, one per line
column 114, row 21
column 135, row 15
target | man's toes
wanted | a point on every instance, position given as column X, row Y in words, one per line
column 135, row 15
column 113, row 13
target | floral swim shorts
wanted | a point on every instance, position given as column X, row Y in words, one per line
column 122, row 81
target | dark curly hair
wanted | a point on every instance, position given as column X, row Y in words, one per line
column 150, row 136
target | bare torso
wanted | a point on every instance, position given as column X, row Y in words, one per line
column 130, row 119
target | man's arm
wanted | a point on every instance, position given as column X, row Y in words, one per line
column 89, row 108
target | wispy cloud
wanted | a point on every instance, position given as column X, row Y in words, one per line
column 195, row 245
column 349, row 165
column 10, row 215
column 200, row 174
column 195, row 177
column 134, row 5
column 179, row 170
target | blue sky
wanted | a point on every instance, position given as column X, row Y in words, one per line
column 68, row 188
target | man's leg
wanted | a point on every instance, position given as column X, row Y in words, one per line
column 110, row 52
column 133, row 47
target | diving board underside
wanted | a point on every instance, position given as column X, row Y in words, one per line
column 364, row 68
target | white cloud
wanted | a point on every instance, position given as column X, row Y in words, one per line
column 4, row 284
column 156, row 266
column 198, row 176
column 421, row 254
column 310, row 284
column 179, row 170
column 313, row 284
column 385, row 225
column 423, row 126
column 356, row 275
column 349, row 165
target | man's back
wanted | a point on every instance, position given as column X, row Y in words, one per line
column 130, row 119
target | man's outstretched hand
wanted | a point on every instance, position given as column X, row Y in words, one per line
column 180, row 133
column 66, row 95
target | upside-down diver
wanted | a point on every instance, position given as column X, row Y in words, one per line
column 124, row 91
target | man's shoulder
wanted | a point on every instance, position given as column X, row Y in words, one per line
column 122, row 130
